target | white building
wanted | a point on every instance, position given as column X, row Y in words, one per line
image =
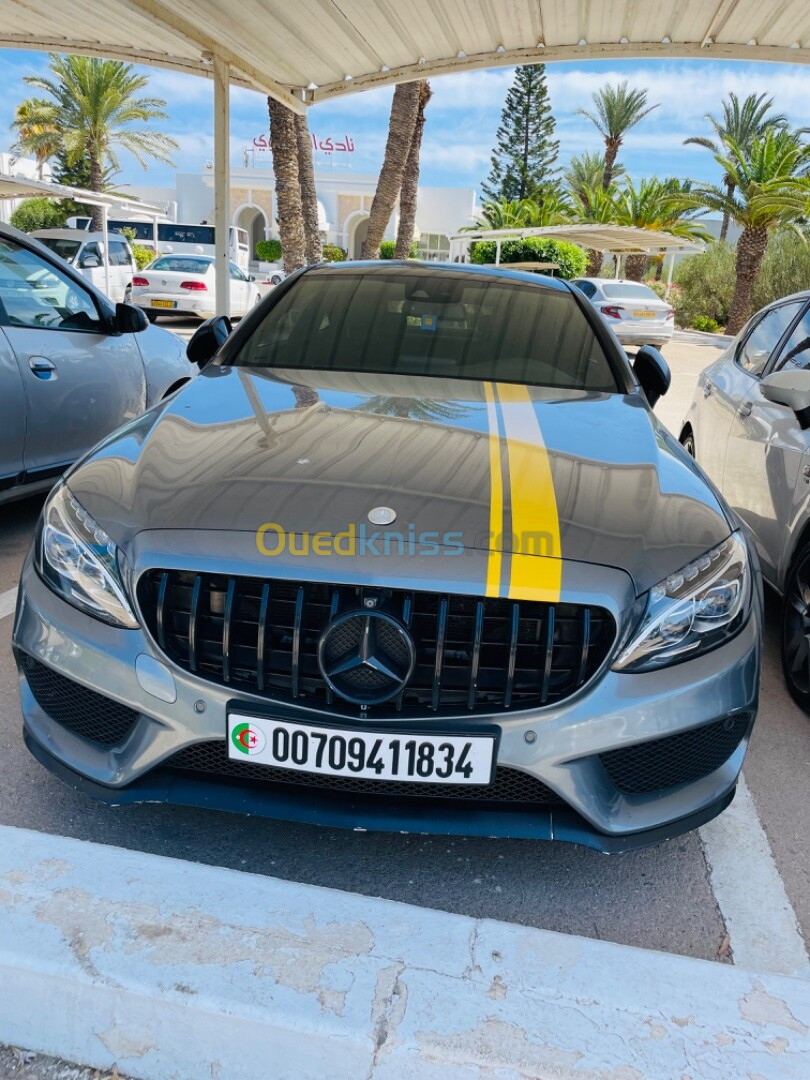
column 344, row 201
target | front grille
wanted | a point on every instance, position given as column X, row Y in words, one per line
column 82, row 711
column 509, row 786
column 677, row 759
column 472, row 655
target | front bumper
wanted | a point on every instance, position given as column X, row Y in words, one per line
column 614, row 711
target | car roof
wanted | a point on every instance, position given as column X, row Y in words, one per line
column 612, row 281
column 410, row 266
column 74, row 234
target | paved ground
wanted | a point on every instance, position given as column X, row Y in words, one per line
column 661, row 898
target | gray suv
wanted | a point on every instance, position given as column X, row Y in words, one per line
column 749, row 428
column 413, row 553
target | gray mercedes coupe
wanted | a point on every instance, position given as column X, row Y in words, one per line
column 412, row 553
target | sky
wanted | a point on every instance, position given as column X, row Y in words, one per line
column 462, row 116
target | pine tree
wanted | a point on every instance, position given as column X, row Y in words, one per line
column 525, row 154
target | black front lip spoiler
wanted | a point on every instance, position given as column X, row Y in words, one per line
column 312, row 806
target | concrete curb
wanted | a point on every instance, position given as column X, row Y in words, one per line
column 176, row 971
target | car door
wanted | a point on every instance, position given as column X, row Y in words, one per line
column 238, row 290
column 765, row 443
column 80, row 382
column 12, row 417
column 120, row 269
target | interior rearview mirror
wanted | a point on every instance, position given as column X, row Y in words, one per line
column 790, row 388
column 652, row 372
column 207, row 340
column 130, row 319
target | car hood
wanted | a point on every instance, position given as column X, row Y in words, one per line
column 554, row 475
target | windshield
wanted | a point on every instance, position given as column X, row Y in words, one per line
column 431, row 323
column 629, row 291
column 66, row 249
column 182, row 264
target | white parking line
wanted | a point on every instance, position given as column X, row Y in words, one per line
column 759, row 917
column 8, row 601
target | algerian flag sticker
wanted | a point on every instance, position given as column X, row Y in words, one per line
column 248, row 739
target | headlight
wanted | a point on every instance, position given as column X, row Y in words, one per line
column 79, row 561
column 693, row 611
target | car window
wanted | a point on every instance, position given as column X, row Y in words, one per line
column 586, row 287
column 796, row 351
column 432, row 323
column 34, row 293
column 66, row 249
column 628, row 291
column 235, row 272
column 90, row 252
column 119, row 254
column 757, row 348
column 183, row 264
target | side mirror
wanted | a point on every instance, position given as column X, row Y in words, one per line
column 652, row 372
column 130, row 319
column 89, row 262
column 790, row 388
column 207, row 340
column 251, row 277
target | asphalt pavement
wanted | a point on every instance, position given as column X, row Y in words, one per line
column 663, row 898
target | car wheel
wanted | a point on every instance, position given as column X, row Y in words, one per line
column 796, row 630
column 688, row 442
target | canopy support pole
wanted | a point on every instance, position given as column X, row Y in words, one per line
column 497, row 252
column 670, row 267
column 106, row 255
column 222, row 182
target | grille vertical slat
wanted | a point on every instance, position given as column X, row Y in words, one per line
column 261, row 640
column 296, row 641
column 549, row 656
column 478, row 631
column 441, row 635
column 473, row 654
column 514, row 633
column 194, row 623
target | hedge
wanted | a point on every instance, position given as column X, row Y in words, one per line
column 571, row 259
column 269, row 250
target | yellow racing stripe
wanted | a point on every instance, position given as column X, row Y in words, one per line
column 536, row 573
column 496, row 494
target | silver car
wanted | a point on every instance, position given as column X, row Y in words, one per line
column 749, row 429
column 414, row 553
column 73, row 366
column 635, row 314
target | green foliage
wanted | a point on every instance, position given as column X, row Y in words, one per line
column 707, row 285
column 34, row 214
column 706, row 323
column 525, row 153
column 143, row 255
column 570, row 259
column 388, row 250
column 784, row 270
column 333, row 253
column 268, row 250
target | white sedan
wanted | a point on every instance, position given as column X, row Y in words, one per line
column 186, row 285
column 635, row 314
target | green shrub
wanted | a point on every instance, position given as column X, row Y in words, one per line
column 333, row 253
column 706, row 323
column 34, row 214
column 570, row 259
column 785, row 269
column 707, row 285
column 387, row 249
column 268, row 250
column 143, row 255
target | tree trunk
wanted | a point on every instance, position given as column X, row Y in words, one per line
column 284, row 145
column 404, row 110
column 309, row 198
column 594, row 267
column 96, row 184
column 611, row 153
column 635, row 266
column 410, row 181
column 730, row 186
column 750, row 250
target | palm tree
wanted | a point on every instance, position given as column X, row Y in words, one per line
column 659, row 205
column 96, row 108
column 770, row 185
column 743, row 122
column 404, row 113
column 588, row 171
column 36, row 124
column 309, row 197
column 617, row 109
column 553, row 208
column 410, row 181
column 290, row 211
column 595, row 206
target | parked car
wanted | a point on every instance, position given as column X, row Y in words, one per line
column 186, row 285
column 414, row 553
column 749, row 429
column 87, row 252
column 73, row 366
column 635, row 314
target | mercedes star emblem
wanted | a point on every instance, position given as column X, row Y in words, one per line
column 366, row 657
column 382, row 515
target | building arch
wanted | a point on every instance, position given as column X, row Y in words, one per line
column 253, row 220
column 355, row 231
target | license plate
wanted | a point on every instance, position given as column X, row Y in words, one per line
column 646, row 314
column 164, row 303
column 369, row 755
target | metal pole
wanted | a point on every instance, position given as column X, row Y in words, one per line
column 222, row 182
column 618, row 259
column 155, row 234
column 106, row 253
column 497, row 252
column 669, row 274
